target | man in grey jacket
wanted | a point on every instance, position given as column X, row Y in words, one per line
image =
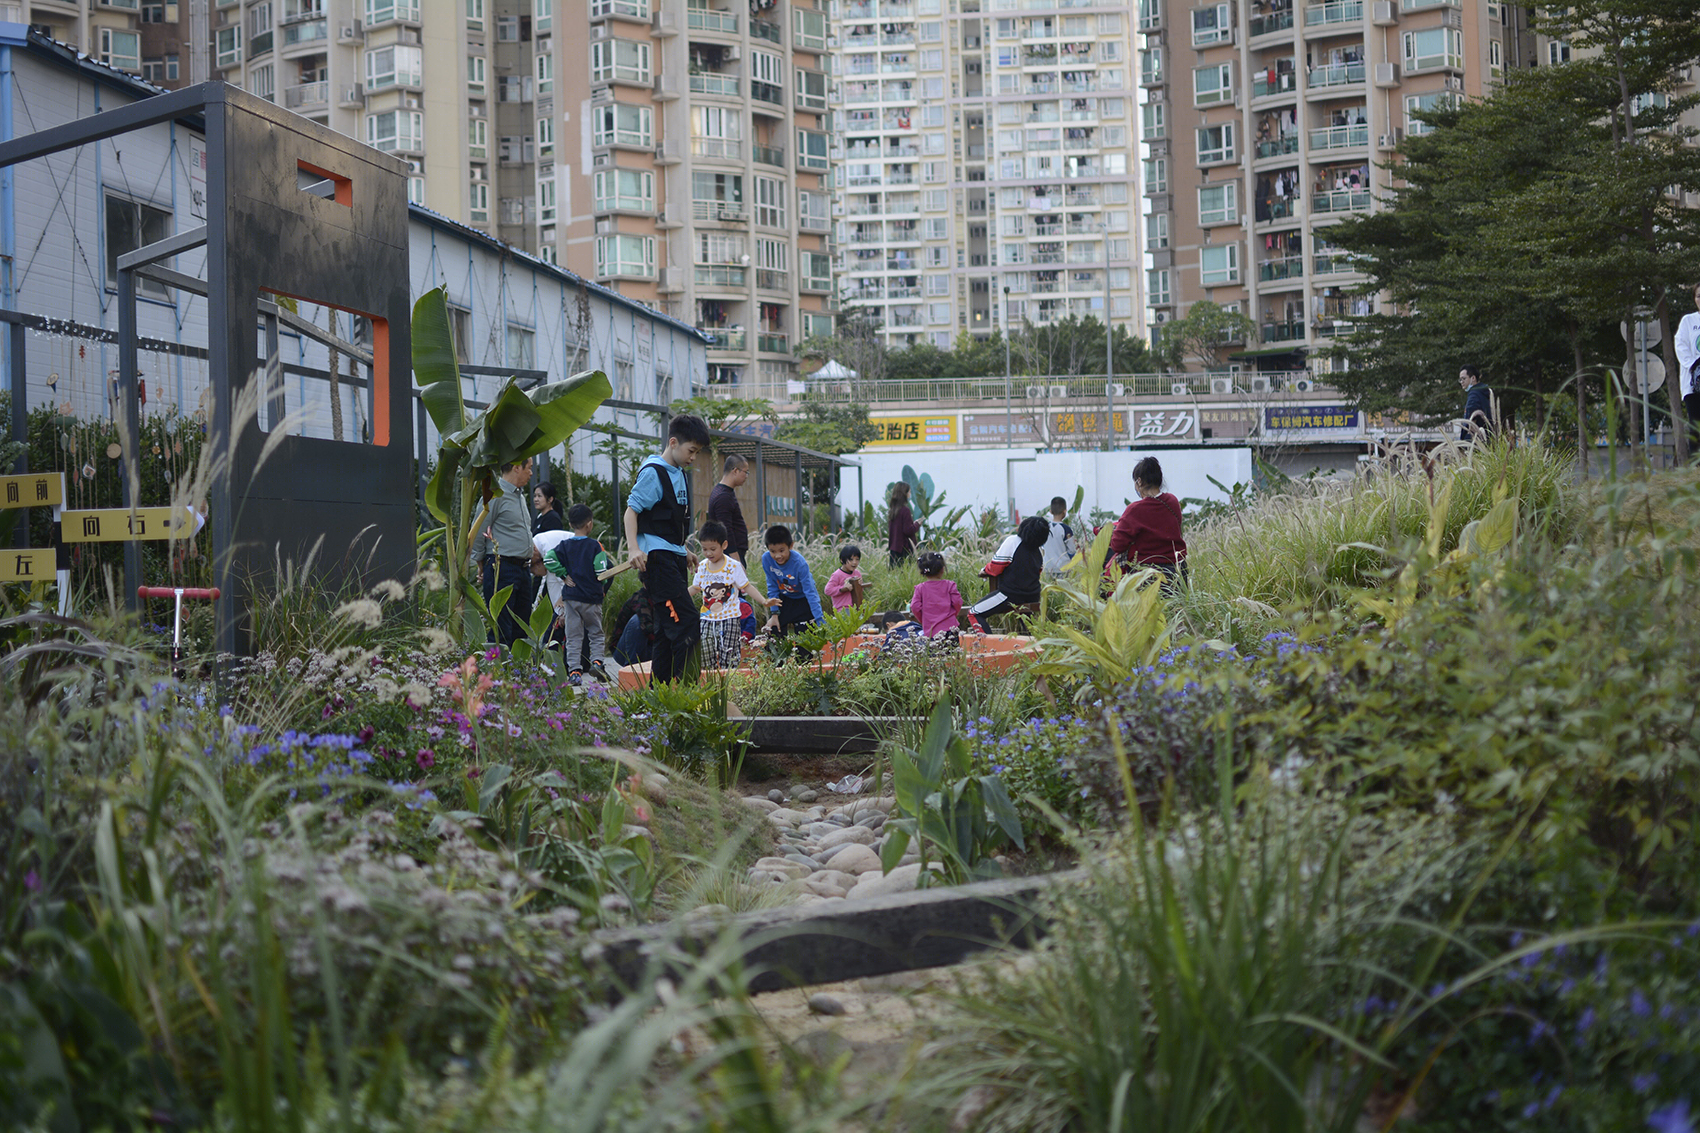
column 503, row 551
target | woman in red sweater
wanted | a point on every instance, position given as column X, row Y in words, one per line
column 1149, row 532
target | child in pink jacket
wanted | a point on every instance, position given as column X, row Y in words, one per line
column 845, row 585
column 937, row 603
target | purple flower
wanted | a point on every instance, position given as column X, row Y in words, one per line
column 1641, row 1083
column 426, row 759
column 32, row 881
column 1586, row 1021
column 365, row 734
column 1674, row 1118
column 1638, row 1005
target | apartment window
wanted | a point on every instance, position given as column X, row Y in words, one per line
column 720, row 248
column 1157, row 175
column 1013, row 226
column 515, row 149
column 812, row 210
column 1150, row 65
column 811, row 90
column 1213, row 84
column 475, row 74
column 1157, row 286
column 636, row 9
column 1436, row 47
column 513, row 88
column 622, row 125
column 938, row 256
column 1215, row 143
column 1117, row 249
column 522, row 348
column 1154, row 120
column 475, row 21
column 770, row 202
column 932, row 60
column 131, row 225
column 1115, row 193
column 1423, row 102
column 543, row 15
column 937, row 200
column 546, row 138
column 259, row 20
column 262, row 83
column 1219, row 264
column 153, row 12
column 773, row 255
column 932, row 88
column 1157, row 230
column 394, row 66
column 1557, row 52
column 1211, row 25
column 629, row 190
column 416, row 189
column 384, row 11
column 1218, row 204
column 623, row 59
column 153, row 70
column 507, row 29
column 546, row 72
column 625, row 255
column 932, row 117
column 396, row 130
column 227, row 46
column 936, row 228
column 478, row 139
column 1496, row 56
column 808, row 29
column 720, row 126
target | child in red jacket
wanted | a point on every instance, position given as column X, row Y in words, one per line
column 1149, row 532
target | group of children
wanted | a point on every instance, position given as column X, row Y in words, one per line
column 656, row 523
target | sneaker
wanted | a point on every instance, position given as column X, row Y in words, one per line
column 575, row 678
column 599, row 672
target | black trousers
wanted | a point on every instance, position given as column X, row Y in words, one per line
column 1691, row 409
column 678, row 627
column 511, row 623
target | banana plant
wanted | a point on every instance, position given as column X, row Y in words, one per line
column 1125, row 631
column 517, row 425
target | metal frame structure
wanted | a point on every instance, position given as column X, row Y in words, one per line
column 293, row 209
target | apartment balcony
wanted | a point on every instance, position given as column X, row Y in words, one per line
column 896, row 291
column 897, row 38
column 725, row 86
column 302, row 39
column 1278, row 147
column 1286, row 82
column 1334, row 328
column 724, row 212
column 1335, row 75
column 766, row 29
column 1272, row 209
column 727, row 338
column 1341, row 200
column 1325, row 16
column 721, row 275
column 1340, row 137
column 1274, row 271
column 729, row 149
column 810, row 223
column 307, row 96
column 772, row 279
column 815, row 284
column 1271, row 23
column 769, row 93
column 707, row 19
column 1333, row 263
column 768, row 155
column 1283, row 332
column 773, row 342
column 1078, row 198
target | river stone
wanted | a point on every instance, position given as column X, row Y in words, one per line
column 807, row 796
column 874, row 821
column 856, row 859
column 836, row 877
column 804, row 859
column 784, row 866
column 767, row 805
column 903, row 879
column 825, row 856
column 838, row 818
column 884, row 802
column 849, row 834
column 822, row 1004
column 776, row 797
column 822, row 889
column 783, row 817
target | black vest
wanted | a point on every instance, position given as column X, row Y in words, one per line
column 669, row 517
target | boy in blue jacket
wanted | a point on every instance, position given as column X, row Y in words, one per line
column 789, row 580
column 657, row 524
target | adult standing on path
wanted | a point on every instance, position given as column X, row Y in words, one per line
column 1149, row 532
column 503, row 550
column 1478, row 404
column 901, row 529
column 657, row 526
column 1688, row 361
column 723, row 507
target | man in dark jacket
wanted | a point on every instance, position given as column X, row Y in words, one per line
column 723, row 507
column 1478, row 404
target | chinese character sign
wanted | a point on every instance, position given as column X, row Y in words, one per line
column 33, row 489
column 26, row 566
column 1165, row 424
column 915, row 431
column 1088, row 423
column 1309, row 417
column 999, row 429
column 121, row 525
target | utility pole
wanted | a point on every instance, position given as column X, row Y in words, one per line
column 1008, row 412
column 1109, row 347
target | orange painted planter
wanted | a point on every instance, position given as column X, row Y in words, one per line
column 988, row 655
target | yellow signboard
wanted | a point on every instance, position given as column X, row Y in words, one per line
column 27, row 566
column 915, row 430
column 33, row 489
column 121, row 525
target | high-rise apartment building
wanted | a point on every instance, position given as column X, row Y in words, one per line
column 692, row 170
column 1263, row 122
column 107, row 30
column 986, row 155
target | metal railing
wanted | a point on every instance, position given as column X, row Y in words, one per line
column 306, row 94
column 1052, row 391
column 1278, row 147
column 726, row 338
column 1335, row 75
column 1342, row 200
column 1293, row 267
column 706, row 19
column 1340, row 137
column 1273, row 22
column 715, row 84
column 1338, row 12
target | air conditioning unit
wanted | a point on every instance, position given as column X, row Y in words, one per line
column 1259, row 384
column 1303, row 385
column 352, row 96
column 1387, row 74
column 1058, row 392
column 598, row 31
column 1386, row 13
column 1034, row 393
column 733, row 53
column 1391, row 141
column 1179, row 389
column 345, row 33
column 670, row 152
column 1221, row 385
column 672, row 279
column 1118, row 389
column 666, row 20
column 1454, row 82
column 601, row 160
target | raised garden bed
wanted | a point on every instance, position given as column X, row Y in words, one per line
column 987, row 654
column 820, row 735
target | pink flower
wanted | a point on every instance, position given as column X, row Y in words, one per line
column 365, row 734
column 426, row 759
column 327, row 713
column 492, row 653
column 474, row 772
column 515, row 731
